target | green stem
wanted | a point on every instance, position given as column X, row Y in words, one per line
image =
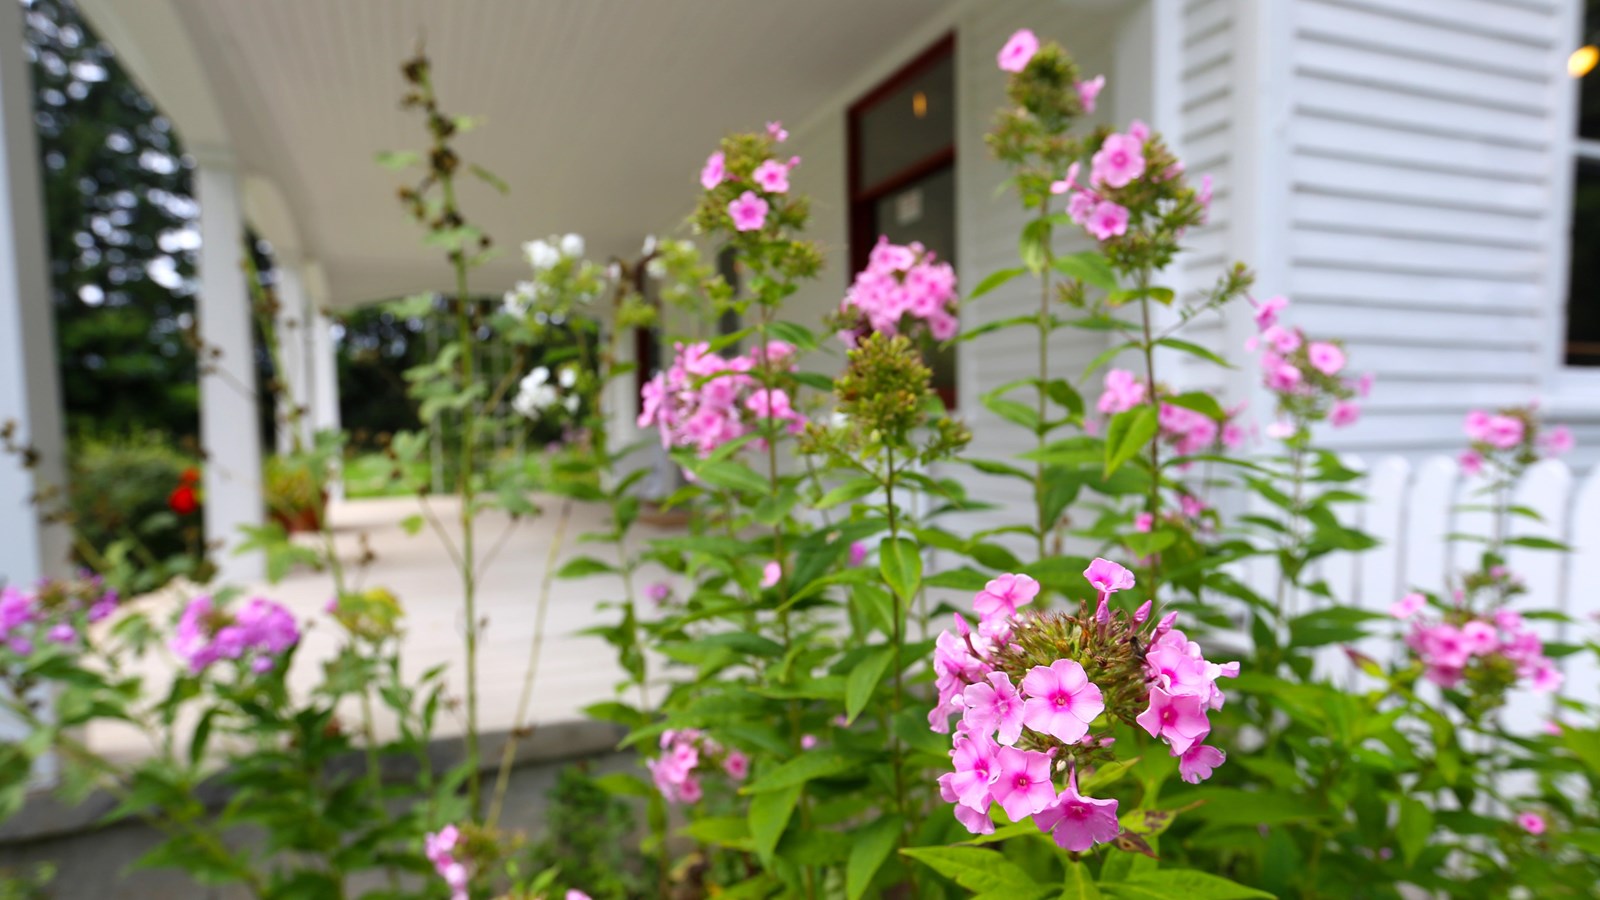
column 1153, row 500
column 1042, row 393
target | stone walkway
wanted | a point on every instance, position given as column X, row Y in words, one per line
column 574, row 670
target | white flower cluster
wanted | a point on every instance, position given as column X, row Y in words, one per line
column 542, row 256
column 537, row 394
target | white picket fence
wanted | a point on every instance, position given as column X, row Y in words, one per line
column 1412, row 508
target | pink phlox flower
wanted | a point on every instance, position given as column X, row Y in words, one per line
column 748, row 211
column 1343, row 413
column 1002, row 595
column 1023, row 787
column 1503, row 432
column 770, row 573
column 1407, row 606
column 1123, row 391
column 858, row 554
column 1108, row 220
column 1144, row 522
column 1532, row 823
column 1266, row 314
column 1198, row 762
column 1178, row 719
column 715, row 171
column 1061, row 700
column 1078, row 822
column 772, row 176
column 1089, row 92
column 1108, row 577
column 1557, row 441
column 1326, row 357
column 1119, row 161
column 1080, row 206
column 976, row 769
column 1068, row 183
column 776, row 130
column 737, row 765
column 1480, row 637
column 1019, row 48
column 1471, row 463
column 1284, row 340
column 991, row 706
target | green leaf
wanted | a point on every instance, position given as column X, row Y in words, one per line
column 490, row 178
column 1537, row 543
column 1079, row 884
column 769, row 817
column 1194, row 350
column 850, row 490
column 1201, row 402
column 1413, row 828
column 864, row 680
column 1130, row 430
column 721, row 831
column 1089, row 267
column 583, row 567
column 994, row 280
column 397, row 159
column 901, row 564
column 974, row 868
column 793, row 333
column 731, row 476
column 1033, row 248
column 869, row 848
column 1335, row 625
column 411, row 524
column 1106, row 775
column 812, row 764
column 1166, row 884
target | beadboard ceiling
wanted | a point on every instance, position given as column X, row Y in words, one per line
column 598, row 113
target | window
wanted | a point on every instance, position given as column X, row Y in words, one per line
column 1583, row 285
column 902, row 145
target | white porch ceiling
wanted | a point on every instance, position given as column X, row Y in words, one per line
column 597, row 112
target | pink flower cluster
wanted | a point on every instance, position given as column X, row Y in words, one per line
column 261, row 631
column 1187, row 430
column 903, row 282
column 1055, row 707
column 440, row 848
column 1510, row 439
column 1021, row 47
column 1119, row 162
column 706, row 400
column 749, row 210
column 684, row 753
column 1306, row 375
column 1449, row 649
column 56, row 612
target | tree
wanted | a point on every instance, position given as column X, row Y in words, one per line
column 120, row 217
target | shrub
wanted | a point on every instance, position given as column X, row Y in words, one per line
column 136, row 502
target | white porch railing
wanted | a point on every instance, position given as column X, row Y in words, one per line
column 1413, row 508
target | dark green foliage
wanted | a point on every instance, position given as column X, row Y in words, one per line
column 590, row 835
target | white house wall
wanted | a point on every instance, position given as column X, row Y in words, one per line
column 1421, row 177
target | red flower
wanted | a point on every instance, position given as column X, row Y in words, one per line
column 183, row 500
column 190, row 475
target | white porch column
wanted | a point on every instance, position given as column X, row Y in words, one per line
column 30, row 393
column 296, row 325
column 323, row 364
column 230, row 432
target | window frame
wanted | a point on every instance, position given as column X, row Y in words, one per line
column 863, row 198
column 1569, row 392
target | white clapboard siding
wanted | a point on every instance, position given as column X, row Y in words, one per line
column 1421, row 164
column 1411, row 510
